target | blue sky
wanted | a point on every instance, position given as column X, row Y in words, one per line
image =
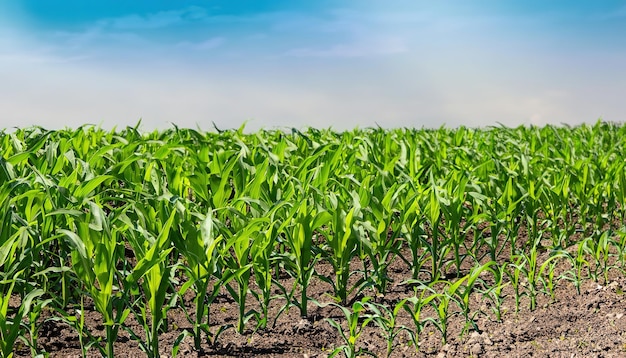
column 323, row 63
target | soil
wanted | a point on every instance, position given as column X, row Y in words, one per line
column 591, row 323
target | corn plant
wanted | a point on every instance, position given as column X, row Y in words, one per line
column 239, row 264
column 441, row 303
column 301, row 259
column 134, row 220
column 14, row 261
column 493, row 292
column 620, row 244
column 414, row 232
column 147, row 277
column 76, row 321
column 598, row 247
column 548, row 281
column 619, row 177
column 452, row 201
column 444, row 292
column 414, row 306
column 528, row 266
column 263, row 260
column 200, row 248
column 461, row 289
column 436, row 246
column 575, row 274
column 384, row 241
column 386, row 319
column 503, row 211
column 343, row 238
column 10, row 327
column 556, row 206
column 356, row 320
column 94, row 261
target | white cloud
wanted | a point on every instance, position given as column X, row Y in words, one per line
column 122, row 35
column 338, row 33
column 345, row 33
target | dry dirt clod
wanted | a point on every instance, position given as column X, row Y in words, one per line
column 474, row 338
column 303, row 325
column 476, row 349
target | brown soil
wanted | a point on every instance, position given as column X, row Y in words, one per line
column 589, row 324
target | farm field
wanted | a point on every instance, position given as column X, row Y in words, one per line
column 389, row 243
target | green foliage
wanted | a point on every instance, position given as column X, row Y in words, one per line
column 135, row 220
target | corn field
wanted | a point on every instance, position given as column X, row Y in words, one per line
column 130, row 223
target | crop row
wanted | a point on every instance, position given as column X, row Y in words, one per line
column 134, row 220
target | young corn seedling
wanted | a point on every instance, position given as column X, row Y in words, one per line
column 34, row 315
column 94, row 260
column 454, row 211
column 356, row 321
column 439, row 301
column 150, row 277
column 598, row 247
column 15, row 260
column 503, row 212
column 299, row 229
column 512, row 211
column 528, row 266
column 201, row 248
column 619, row 176
column 343, row 239
column 386, row 320
column 414, row 306
column 437, row 246
column 493, row 291
column 556, row 203
column 620, row 244
column 263, row 259
column 415, row 235
column 461, row 292
column 383, row 244
column 10, row 250
column 547, row 279
column 575, row 274
column 238, row 264
column 76, row 321
column 514, row 273
column 10, row 323
column 441, row 304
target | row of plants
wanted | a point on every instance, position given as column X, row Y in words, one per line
column 135, row 220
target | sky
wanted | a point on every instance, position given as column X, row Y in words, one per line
column 298, row 63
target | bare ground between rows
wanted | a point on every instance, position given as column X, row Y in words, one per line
column 589, row 324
